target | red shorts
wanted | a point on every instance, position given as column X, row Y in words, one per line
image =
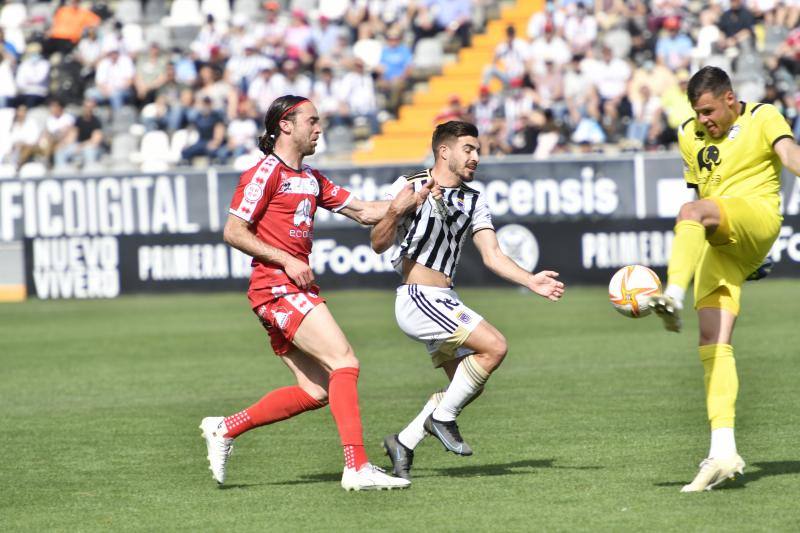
column 282, row 316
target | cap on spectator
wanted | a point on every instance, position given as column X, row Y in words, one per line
column 454, row 99
column 272, row 6
column 269, row 64
column 682, row 75
column 516, row 82
column 484, row 90
column 672, row 23
column 299, row 14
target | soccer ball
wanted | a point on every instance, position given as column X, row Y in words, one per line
column 629, row 289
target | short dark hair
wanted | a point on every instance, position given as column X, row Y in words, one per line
column 445, row 133
column 275, row 113
column 708, row 79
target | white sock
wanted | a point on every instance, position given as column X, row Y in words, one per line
column 414, row 432
column 677, row 293
column 467, row 381
column 723, row 443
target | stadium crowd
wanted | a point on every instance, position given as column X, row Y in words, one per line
column 144, row 84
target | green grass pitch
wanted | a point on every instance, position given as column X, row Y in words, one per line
column 593, row 422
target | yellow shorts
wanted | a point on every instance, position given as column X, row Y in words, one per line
column 747, row 229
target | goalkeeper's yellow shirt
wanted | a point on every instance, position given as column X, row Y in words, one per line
column 742, row 163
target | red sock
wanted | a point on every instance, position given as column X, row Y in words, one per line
column 343, row 398
column 277, row 405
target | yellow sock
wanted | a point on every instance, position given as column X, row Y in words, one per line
column 722, row 384
column 690, row 237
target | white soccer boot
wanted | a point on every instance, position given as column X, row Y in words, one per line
column 715, row 471
column 219, row 448
column 370, row 477
column 669, row 309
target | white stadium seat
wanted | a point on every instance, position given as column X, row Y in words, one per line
column 184, row 13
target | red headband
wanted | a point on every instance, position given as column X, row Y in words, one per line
column 301, row 102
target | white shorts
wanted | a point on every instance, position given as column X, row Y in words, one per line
column 436, row 317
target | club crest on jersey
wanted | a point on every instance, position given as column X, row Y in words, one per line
column 281, row 317
column 708, row 158
column 464, row 317
column 734, row 131
column 460, row 204
column 253, row 192
column 302, row 215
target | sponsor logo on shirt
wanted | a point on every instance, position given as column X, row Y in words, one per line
column 302, row 215
column 734, row 131
column 298, row 185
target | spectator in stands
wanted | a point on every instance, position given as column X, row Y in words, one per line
column 549, row 46
column 737, row 24
column 367, row 47
column 69, row 23
column 84, row 140
column 394, row 69
column 510, row 59
column 185, row 67
column 297, row 83
column 7, row 46
column 113, row 80
column 221, row 93
column 299, row 39
column 8, row 85
column 32, row 76
column 588, row 132
column 519, row 102
column 550, row 88
column 209, row 42
column 487, row 115
column 357, row 91
column 242, row 131
column 150, row 74
column 266, row 87
column 708, row 39
column 272, row 32
column 173, row 106
column 326, row 94
column 611, row 79
column 241, row 70
column 675, row 102
column 210, row 127
column 454, row 110
column 453, row 17
column 580, row 30
column 23, row 138
column 324, row 36
column 56, row 130
column 89, row 52
column 674, row 48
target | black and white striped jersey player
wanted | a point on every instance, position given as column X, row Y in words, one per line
column 428, row 243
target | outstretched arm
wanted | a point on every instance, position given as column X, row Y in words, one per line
column 789, row 152
column 406, row 201
column 364, row 212
column 545, row 283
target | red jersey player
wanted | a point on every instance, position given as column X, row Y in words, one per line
column 271, row 218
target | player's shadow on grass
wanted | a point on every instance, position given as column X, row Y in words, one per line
column 516, row 468
column 765, row 469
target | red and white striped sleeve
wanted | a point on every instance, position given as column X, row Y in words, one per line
column 256, row 187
